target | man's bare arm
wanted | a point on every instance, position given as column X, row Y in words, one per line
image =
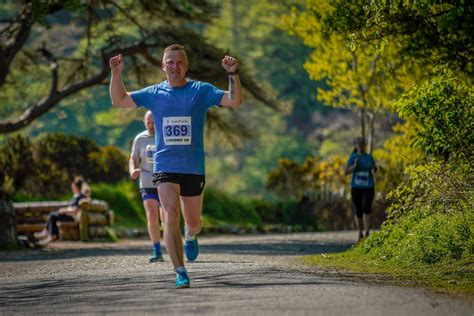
column 133, row 168
column 119, row 96
column 232, row 97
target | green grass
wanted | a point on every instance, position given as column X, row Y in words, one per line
column 457, row 277
column 425, row 249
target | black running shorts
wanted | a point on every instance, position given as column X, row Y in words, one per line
column 362, row 199
column 191, row 184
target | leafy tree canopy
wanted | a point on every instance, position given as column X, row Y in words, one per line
column 432, row 31
column 54, row 49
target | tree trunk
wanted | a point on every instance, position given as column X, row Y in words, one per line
column 234, row 27
column 7, row 225
column 362, row 122
column 371, row 116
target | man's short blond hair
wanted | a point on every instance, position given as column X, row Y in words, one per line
column 176, row 47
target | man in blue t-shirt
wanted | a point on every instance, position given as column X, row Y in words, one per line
column 179, row 108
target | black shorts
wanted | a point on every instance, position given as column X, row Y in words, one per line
column 191, row 184
column 362, row 199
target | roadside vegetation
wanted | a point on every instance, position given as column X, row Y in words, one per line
column 426, row 179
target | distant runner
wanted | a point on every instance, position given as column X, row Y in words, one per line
column 362, row 166
column 141, row 165
column 179, row 107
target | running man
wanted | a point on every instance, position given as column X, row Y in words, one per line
column 179, row 107
column 141, row 165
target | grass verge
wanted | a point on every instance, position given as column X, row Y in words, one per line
column 457, row 277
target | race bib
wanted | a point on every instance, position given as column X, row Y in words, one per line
column 362, row 178
column 150, row 152
column 177, row 130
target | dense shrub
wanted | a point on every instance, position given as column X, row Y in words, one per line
column 424, row 237
column 431, row 219
column 45, row 166
column 286, row 212
column 16, row 165
column 111, row 164
column 256, row 213
column 124, row 199
column 444, row 114
column 222, row 206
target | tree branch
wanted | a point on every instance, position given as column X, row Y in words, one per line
column 19, row 29
column 205, row 67
column 36, row 110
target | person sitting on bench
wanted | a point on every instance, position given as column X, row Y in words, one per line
column 65, row 214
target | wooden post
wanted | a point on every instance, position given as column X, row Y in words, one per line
column 84, row 226
column 84, row 205
column 7, row 225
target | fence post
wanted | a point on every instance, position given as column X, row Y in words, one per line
column 7, row 225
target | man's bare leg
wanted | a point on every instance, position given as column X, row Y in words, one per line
column 153, row 221
column 192, row 217
column 192, row 207
column 169, row 197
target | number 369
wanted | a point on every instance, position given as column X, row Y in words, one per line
column 176, row 130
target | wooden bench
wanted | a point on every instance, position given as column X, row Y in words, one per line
column 93, row 219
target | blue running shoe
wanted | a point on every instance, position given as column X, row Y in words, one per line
column 156, row 257
column 182, row 280
column 191, row 249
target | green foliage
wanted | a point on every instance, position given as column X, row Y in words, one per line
column 314, row 177
column 63, row 156
column 431, row 218
column 429, row 237
column 422, row 237
column 252, row 31
column 435, row 32
column 219, row 208
column 242, row 171
column 429, row 233
column 41, row 9
column 444, row 113
column 16, row 164
column 359, row 78
column 393, row 157
column 124, row 199
column 112, row 164
column 45, row 166
column 224, row 207
column 66, row 155
column 434, row 187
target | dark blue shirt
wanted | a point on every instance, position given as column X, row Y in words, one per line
column 362, row 176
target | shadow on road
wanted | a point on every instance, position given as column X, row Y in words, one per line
column 286, row 248
column 264, row 248
column 105, row 293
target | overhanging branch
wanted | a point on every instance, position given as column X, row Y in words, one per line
column 36, row 110
column 205, row 66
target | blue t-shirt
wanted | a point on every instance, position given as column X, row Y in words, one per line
column 179, row 115
column 362, row 176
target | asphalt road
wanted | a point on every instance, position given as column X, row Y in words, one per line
column 234, row 275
